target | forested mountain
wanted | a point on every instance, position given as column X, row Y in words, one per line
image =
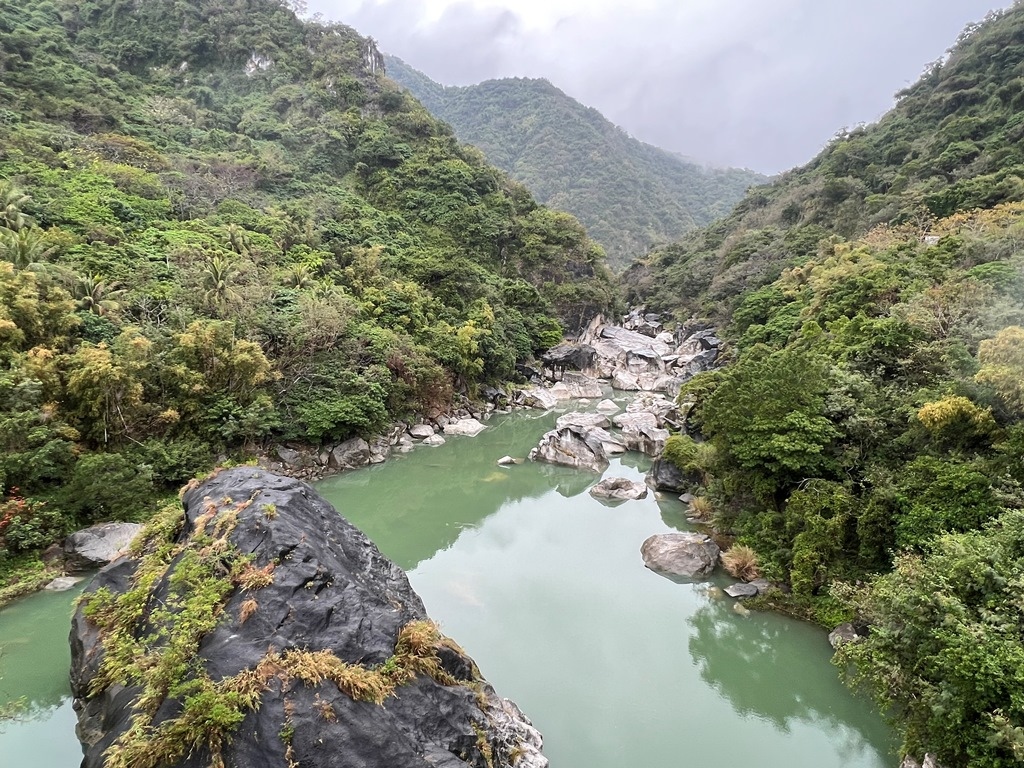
column 222, row 227
column 629, row 195
column 871, row 419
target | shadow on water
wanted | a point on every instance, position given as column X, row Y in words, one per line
column 744, row 657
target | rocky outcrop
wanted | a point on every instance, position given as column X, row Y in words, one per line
column 683, row 555
column 640, row 432
column 583, row 421
column 573, row 446
column 258, row 627
column 536, row 397
column 640, row 355
column 94, row 547
column 619, row 489
column 666, row 476
column 574, row 386
column 574, row 357
column 350, row 454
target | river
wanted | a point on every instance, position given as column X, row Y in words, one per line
column 544, row 586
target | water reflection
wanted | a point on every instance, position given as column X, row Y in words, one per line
column 743, row 658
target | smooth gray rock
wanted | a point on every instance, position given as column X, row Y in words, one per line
column 421, row 431
column 574, row 447
column 464, row 427
column 292, row 458
column 663, row 409
column 434, row 441
column 538, row 397
column 619, row 489
column 573, row 386
column 742, row 590
column 583, row 420
column 96, row 546
column 625, row 381
column 506, row 461
column 62, row 583
column 332, row 591
column 608, row 406
column 844, row 633
column 761, row 585
column 350, row 454
column 684, row 555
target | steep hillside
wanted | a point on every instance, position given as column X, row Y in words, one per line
column 952, row 143
column 221, row 227
column 629, row 195
column 871, row 419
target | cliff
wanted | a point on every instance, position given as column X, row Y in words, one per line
column 258, row 627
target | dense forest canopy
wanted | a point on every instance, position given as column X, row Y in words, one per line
column 222, row 227
column 871, row 418
column 630, row 196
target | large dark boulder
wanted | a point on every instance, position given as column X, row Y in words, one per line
column 257, row 627
column 666, row 476
column 575, row 357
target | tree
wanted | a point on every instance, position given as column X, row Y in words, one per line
column 944, row 655
column 218, row 275
column 767, row 416
column 1002, row 366
column 12, row 203
column 93, row 294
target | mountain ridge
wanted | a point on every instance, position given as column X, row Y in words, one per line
column 630, row 195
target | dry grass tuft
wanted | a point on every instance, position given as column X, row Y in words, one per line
column 741, row 561
column 702, row 508
column 253, row 578
column 247, row 610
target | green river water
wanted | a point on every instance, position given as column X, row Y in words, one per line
column 545, row 587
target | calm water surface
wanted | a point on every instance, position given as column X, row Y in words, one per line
column 544, row 586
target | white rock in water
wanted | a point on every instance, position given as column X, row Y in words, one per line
column 505, row 461
column 607, row 406
column 434, row 441
column 465, row 427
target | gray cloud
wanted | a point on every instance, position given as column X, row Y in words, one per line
column 744, row 83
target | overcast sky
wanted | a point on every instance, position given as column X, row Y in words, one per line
column 761, row 84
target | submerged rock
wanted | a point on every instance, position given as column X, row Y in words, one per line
column 96, row 546
column 295, row 641
column 686, row 555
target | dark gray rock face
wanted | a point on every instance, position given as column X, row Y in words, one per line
column 332, row 590
column 96, row 546
column 666, row 476
column 575, row 357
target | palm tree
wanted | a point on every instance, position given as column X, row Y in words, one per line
column 217, row 278
column 238, row 239
column 12, row 201
column 298, row 276
column 24, row 248
column 95, row 295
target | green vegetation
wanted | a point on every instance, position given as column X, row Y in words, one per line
column 630, row 196
column 221, row 227
column 865, row 441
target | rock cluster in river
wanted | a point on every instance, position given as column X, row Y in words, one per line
column 319, row 653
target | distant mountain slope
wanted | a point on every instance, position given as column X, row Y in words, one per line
column 629, row 195
column 952, row 143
